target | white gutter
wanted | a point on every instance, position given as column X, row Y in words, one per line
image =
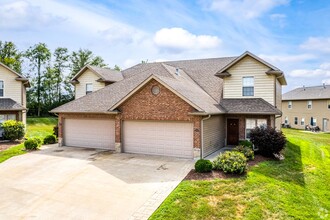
column 202, row 136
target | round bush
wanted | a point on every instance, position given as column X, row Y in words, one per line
column 13, row 130
column 32, row 143
column 268, row 141
column 231, row 162
column 203, row 166
column 50, row 139
column 247, row 151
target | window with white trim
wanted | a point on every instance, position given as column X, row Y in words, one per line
column 309, row 104
column 248, row 86
column 252, row 123
column 296, row 120
column 1, row 88
column 289, row 104
column 286, row 120
column 89, row 88
column 302, row 122
column 314, row 122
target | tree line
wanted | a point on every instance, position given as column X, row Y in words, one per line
column 49, row 72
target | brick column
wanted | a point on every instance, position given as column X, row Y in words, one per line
column 118, row 122
column 60, row 130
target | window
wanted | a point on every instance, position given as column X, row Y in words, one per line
column 295, row 120
column 252, row 123
column 328, row 104
column 6, row 117
column 309, row 104
column 1, row 88
column 286, row 121
column 302, row 121
column 248, row 86
column 89, row 88
column 290, row 104
column 314, row 122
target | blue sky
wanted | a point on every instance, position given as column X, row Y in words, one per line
column 292, row 35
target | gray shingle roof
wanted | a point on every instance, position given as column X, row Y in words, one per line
column 308, row 93
column 108, row 74
column 7, row 104
column 248, row 106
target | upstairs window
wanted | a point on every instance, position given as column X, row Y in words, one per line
column 302, row 123
column 1, row 88
column 296, row 120
column 248, row 86
column 309, row 104
column 89, row 88
column 289, row 104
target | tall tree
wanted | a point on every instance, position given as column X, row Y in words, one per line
column 10, row 56
column 61, row 56
column 38, row 55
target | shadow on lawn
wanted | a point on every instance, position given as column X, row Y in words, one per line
column 288, row 170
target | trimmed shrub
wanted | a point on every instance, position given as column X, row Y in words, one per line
column 55, row 131
column 50, row 139
column 203, row 166
column 13, row 130
column 33, row 143
column 268, row 141
column 246, row 143
column 247, row 151
column 231, row 162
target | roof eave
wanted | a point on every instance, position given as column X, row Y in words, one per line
column 206, row 113
column 223, row 75
column 87, row 112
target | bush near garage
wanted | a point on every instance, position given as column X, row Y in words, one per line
column 203, row 166
column 231, row 162
column 50, row 139
column 268, row 141
column 33, row 143
column 13, row 130
column 247, row 151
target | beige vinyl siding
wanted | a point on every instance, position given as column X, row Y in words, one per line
column 12, row 88
column 87, row 77
column 263, row 84
column 213, row 134
column 278, row 103
column 299, row 109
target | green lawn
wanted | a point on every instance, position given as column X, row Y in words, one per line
column 36, row 127
column 296, row 188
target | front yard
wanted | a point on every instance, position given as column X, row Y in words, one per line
column 296, row 188
column 36, row 127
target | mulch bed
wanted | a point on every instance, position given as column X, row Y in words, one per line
column 6, row 145
column 214, row 174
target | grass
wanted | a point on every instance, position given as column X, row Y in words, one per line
column 296, row 188
column 36, row 127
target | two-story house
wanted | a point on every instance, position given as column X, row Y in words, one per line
column 307, row 106
column 12, row 95
column 188, row 108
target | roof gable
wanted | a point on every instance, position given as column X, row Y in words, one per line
column 105, row 74
column 19, row 77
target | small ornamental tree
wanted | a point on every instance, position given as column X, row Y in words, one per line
column 268, row 140
column 13, row 130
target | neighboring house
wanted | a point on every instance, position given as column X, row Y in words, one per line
column 12, row 95
column 188, row 108
column 92, row 78
column 307, row 106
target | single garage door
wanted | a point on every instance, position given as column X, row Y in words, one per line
column 91, row 133
column 158, row 138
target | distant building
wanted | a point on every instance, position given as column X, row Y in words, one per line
column 307, row 106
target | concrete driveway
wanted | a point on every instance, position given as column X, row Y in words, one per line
column 77, row 183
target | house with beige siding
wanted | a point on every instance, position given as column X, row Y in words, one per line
column 307, row 106
column 187, row 108
column 12, row 95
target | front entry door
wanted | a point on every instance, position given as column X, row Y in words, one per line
column 232, row 132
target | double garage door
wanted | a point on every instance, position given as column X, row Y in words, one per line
column 141, row 137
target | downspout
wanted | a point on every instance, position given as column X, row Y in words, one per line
column 202, row 135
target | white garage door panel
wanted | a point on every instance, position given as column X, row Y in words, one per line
column 91, row 133
column 159, row 138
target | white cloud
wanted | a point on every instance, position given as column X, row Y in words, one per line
column 321, row 44
column 247, row 9
column 326, row 81
column 178, row 39
column 287, row 58
column 23, row 15
column 323, row 70
column 279, row 18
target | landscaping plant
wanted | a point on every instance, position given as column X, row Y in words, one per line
column 268, row 141
column 247, row 151
column 203, row 166
column 246, row 143
column 33, row 143
column 50, row 139
column 13, row 130
column 231, row 162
